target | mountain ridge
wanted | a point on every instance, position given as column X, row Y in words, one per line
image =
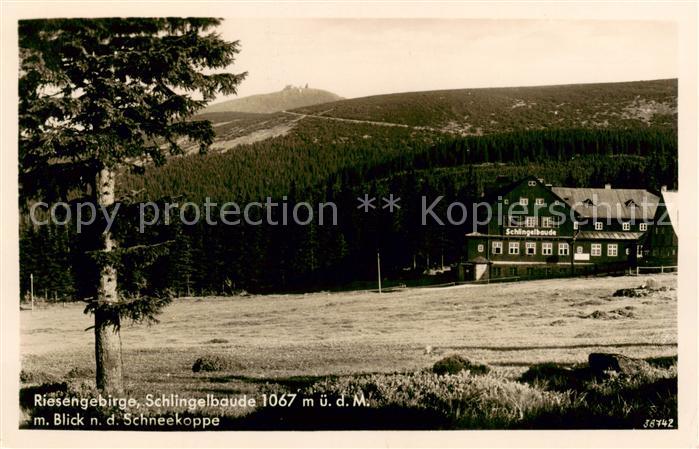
column 462, row 112
column 291, row 97
column 501, row 109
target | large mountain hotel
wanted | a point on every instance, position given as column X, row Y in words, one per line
column 537, row 230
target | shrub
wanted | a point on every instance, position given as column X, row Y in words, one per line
column 36, row 377
column 80, row 372
column 212, row 363
column 613, row 392
column 556, row 377
column 663, row 361
column 455, row 401
column 616, row 403
column 454, row 364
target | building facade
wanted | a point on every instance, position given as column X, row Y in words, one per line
column 536, row 230
column 661, row 242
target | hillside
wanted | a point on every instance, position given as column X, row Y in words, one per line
column 290, row 97
column 485, row 111
column 463, row 112
column 301, row 156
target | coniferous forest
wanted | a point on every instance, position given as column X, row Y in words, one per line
column 332, row 161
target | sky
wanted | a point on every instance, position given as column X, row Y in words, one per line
column 361, row 57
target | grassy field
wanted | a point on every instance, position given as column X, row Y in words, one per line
column 288, row 339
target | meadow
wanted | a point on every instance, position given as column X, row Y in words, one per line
column 290, row 342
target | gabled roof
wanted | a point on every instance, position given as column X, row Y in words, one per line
column 612, row 203
column 503, row 190
column 672, row 204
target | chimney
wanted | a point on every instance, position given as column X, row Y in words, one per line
column 663, row 188
column 607, row 186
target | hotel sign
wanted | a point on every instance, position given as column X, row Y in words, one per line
column 519, row 232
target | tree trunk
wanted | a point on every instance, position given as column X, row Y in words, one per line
column 107, row 338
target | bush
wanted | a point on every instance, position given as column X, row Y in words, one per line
column 80, row 372
column 454, row 364
column 616, row 403
column 557, row 377
column 212, row 363
column 36, row 377
column 665, row 362
column 454, row 401
column 613, row 392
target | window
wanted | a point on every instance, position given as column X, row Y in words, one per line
column 579, row 249
column 546, row 248
column 596, row 249
column 513, row 271
column 643, row 227
column 612, row 250
column 497, row 271
column 575, row 225
column 626, row 226
column 639, row 251
column 514, row 248
column 530, row 271
column 531, row 248
column 547, row 222
column 549, row 271
column 524, row 201
column 563, row 249
column 497, row 247
column 514, row 221
column 530, row 222
column 481, row 248
column 563, row 271
column 532, row 183
column 598, row 226
column 539, row 201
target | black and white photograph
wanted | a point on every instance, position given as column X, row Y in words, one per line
column 303, row 221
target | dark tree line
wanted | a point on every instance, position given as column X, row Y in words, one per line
column 208, row 259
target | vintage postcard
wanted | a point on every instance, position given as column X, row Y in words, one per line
column 429, row 224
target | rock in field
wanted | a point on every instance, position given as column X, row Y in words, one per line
column 601, row 362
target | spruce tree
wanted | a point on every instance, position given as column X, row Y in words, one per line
column 99, row 94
